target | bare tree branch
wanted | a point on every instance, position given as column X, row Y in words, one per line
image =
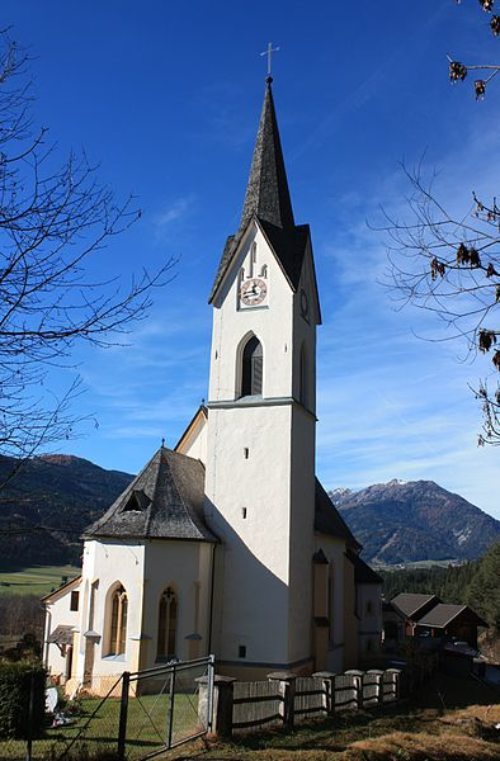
column 450, row 265
column 53, row 220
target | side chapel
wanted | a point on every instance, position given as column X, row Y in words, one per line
column 229, row 544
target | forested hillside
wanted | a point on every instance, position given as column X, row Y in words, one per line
column 46, row 506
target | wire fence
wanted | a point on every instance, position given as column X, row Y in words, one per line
column 141, row 715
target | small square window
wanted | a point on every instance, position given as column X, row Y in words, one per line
column 242, row 651
column 75, row 598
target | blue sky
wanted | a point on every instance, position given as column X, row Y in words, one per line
column 166, row 97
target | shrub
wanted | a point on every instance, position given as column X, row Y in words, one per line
column 17, row 682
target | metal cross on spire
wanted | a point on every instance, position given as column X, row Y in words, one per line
column 269, row 52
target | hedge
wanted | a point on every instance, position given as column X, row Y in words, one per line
column 17, row 680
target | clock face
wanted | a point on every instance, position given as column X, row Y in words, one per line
column 253, row 291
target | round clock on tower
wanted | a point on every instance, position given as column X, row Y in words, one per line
column 253, row 291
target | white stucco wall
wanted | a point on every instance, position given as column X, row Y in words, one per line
column 253, row 583
column 334, row 550
column 185, row 567
column 58, row 612
column 301, row 537
column 107, row 564
column 145, row 569
column 369, row 605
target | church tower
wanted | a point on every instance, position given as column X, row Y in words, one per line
column 228, row 544
column 260, row 469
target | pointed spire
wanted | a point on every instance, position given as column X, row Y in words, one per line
column 267, row 195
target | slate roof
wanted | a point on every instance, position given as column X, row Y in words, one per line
column 163, row 502
column 327, row 519
column 443, row 614
column 62, row 635
column 267, row 199
column 411, row 603
column 363, row 574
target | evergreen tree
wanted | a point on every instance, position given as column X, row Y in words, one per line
column 484, row 590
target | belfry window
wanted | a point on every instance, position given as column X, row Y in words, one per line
column 252, row 366
column 118, row 624
column 167, row 625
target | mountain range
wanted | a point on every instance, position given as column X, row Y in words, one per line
column 402, row 522
column 46, row 506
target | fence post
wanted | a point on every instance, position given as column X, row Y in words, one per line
column 210, row 695
column 328, row 678
column 171, row 702
column 122, row 727
column 223, row 688
column 396, row 681
column 377, row 675
column 220, row 707
column 357, row 681
column 286, row 680
column 31, row 705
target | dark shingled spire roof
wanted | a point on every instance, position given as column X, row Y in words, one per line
column 267, row 193
column 163, row 502
column 267, row 199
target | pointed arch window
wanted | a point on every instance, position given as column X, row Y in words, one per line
column 252, row 368
column 167, row 625
column 118, row 623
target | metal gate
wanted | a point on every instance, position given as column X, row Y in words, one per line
column 151, row 711
column 164, row 707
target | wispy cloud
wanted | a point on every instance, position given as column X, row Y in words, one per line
column 172, row 213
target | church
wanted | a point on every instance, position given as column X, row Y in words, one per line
column 228, row 543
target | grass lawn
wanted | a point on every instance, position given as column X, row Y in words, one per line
column 39, row 580
column 147, row 728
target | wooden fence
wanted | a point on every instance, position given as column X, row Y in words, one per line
column 285, row 699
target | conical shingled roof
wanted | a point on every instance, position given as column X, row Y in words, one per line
column 267, row 199
column 267, row 195
column 163, row 502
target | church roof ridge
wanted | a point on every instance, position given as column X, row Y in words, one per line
column 164, row 501
column 327, row 519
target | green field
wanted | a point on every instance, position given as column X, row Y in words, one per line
column 39, row 580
